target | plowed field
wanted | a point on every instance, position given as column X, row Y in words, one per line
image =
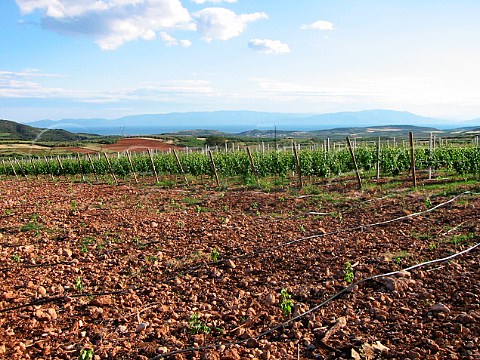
column 138, row 272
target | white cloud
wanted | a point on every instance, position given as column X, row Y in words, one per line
column 318, row 25
column 213, row 1
column 23, row 84
column 222, row 24
column 171, row 41
column 112, row 23
column 270, row 47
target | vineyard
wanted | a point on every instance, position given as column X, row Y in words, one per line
column 314, row 163
column 105, row 257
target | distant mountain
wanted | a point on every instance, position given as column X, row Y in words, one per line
column 239, row 121
column 10, row 130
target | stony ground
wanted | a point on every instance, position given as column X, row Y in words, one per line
column 138, row 272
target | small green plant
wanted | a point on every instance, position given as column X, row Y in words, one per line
column 287, row 303
column 78, row 284
column 349, row 273
column 197, row 326
column 214, row 255
column 180, row 223
column 73, row 204
column 86, row 354
column 32, row 225
column 16, row 258
column 400, row 256
column 428, row 203
column 432, row 246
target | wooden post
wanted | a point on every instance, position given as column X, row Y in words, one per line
column 217, row 180
column 60, row 165
column 378, row 158
column 81, row 167
column 357, row 173
column 21, row 169
column 111, row 168
column 412, row 159
column 153, row 165
column 430, row 148
column 13, row 168
column 93, row 166
column 131, row 166
column 180, row 166
column 297, row 165
column 252, row 164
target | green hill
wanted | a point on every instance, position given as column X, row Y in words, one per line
column 10, row 130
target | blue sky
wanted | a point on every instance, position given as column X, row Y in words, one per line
column 111, row 58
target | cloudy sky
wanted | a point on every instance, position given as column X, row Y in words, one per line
column 110, row 58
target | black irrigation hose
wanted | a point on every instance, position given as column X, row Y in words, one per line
column 46, row 300
column 349, row 288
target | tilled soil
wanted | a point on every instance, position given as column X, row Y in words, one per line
column 138, row 272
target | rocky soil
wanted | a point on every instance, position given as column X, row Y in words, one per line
column 138, row 272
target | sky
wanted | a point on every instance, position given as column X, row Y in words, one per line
column 111, row 58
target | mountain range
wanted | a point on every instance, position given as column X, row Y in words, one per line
column 241, row 121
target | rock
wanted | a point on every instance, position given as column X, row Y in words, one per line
column 439, row 307
column 381, row 315
column 464, row 318
column 341, row 322
column 52, row 313
column 432, row 345
column 355, row 355
column 162, row 350
column 404, row 274
column 270, row 299
column 67, row 253
column 380, row 347
column 141, row 327
column 101, row 301
column 413, row 355
column 251, row 343
column 42, row 291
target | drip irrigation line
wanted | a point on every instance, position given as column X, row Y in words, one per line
column 349, row 288
column 46, row 300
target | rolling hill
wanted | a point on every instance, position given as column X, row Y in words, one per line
column 10, row 130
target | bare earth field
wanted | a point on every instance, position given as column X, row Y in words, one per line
column 127, row 144
column 138, row 272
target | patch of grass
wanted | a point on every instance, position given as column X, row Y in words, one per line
column 191, row 201
column 462, row 239
column 32, row 225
